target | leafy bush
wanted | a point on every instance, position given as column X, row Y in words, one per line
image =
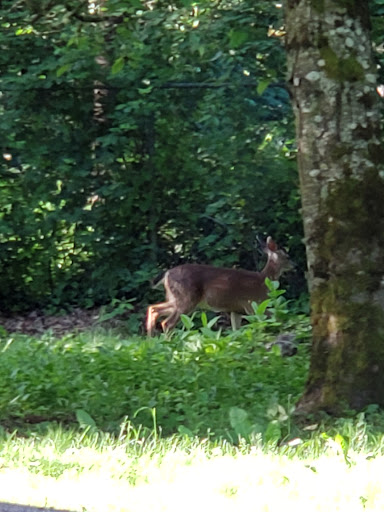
column 199, row 381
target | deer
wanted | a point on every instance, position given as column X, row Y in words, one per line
column 229, row 290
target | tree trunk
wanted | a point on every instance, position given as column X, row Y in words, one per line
column 333, row 83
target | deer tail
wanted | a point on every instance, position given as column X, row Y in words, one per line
column 158, row 280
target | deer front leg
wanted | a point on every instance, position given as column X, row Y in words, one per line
column 235, row 321
column 236, row 317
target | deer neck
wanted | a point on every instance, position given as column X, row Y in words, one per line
column 271, row 269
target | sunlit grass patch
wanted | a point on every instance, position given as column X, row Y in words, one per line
column 96, row 472
column 247, row 483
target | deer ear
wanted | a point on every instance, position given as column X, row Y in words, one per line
column 271, row 244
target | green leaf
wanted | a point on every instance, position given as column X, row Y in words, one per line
column 271, row 285
column 117, row 66
column 184, row 431
column 237, row 38
column 63, row 69
column 208, row 333
column 261, row 308
column 213, row 321
column 84, row 419
column 237, row 416
column 187, row 321
column 262, row 85
column 273, row 432
column 238, row 419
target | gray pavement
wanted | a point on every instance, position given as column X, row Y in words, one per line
column 8, row 507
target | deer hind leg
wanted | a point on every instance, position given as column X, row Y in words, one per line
column 171, row 320
column 167, row 309
column 156, row 310
column 181, row 298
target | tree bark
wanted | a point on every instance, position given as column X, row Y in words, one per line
column 333, row 82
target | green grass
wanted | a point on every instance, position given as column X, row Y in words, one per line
column 197, row 382
column 203, row 420
column 94, row 471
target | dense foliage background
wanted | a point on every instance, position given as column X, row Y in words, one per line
column 136, row 135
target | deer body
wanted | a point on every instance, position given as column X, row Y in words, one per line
column 190, row 286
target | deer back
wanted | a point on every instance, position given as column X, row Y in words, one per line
column 220, row 289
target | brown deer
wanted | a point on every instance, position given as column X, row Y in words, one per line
column 220, row 289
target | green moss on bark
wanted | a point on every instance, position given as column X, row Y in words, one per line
column 349, row 69
column 354, row 209
column 347, row 358
column 348, row 324
column 318, row 5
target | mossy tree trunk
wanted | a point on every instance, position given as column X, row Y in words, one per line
column 333, row 83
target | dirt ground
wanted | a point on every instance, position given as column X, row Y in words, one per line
column 37, row 323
